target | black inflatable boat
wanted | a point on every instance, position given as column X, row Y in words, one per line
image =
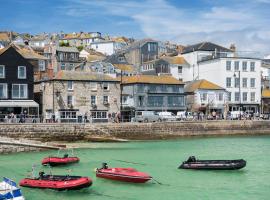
column 193, row 163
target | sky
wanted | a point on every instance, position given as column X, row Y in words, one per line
column 245, row 23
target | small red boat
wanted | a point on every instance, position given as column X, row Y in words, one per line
column 57, row 182
column 54, row 161
column 122, row 174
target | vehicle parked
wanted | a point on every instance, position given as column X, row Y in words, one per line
column 236, row 114
column 183, row 115
column 167, row 116
column 146, row 116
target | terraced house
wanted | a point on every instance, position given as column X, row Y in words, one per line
column 16, row 84
column 72, row 96
column 155, row 93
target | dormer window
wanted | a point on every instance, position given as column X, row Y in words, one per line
column 21, row 72
column 121, row 59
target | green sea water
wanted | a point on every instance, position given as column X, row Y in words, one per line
column 160, row 159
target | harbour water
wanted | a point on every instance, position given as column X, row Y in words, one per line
column 160, row 159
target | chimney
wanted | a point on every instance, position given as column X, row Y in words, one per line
column 233, row 47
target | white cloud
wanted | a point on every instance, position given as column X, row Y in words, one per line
column 245, row 26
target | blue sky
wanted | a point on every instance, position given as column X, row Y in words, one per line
column 243, row 22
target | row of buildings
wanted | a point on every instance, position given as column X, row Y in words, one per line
column 57, row 78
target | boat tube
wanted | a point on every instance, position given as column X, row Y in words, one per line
column 122, row 174
column 57, row 182
column 193, row 163
column 54, row 161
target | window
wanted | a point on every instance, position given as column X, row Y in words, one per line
column 93, row 86
column 229, row 97
column 19, row 91
column 228, row 65
column 140, row 100
column 155, row 101
column 228, row 82
column 203, row 96
column 220, row 96
column 68, row 114
column 41, row 65
column 21, row 72
column 236, row 82
column 252, row 96
column 244, row 66
column 180, row 69
column 252, row 82
column 93, row 100
column 105, row 99
column 3, row 91
column 252, row 66
column 175, row 101
column 244, row 83
column 244, row 96
column 105, row 86
column 63, row 66
column 69, row 100
column 236, row 96
column 236, row 65
column 99, row 114
column 2, row 71
column 70, row 85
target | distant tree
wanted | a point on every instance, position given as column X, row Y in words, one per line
column 63, row 44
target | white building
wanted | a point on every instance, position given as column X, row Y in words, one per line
column 206, row 97
column 107, row 47
column 240, row 76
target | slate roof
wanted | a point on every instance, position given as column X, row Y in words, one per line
column 26, row 52
column 67, row 49
column 83, row 76
column 151, row 79
column 201, row 84
column 205, row 46
column 170, row 59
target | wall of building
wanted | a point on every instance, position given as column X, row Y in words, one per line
column 56, row 92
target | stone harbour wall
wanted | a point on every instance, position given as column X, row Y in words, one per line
column 131, row 131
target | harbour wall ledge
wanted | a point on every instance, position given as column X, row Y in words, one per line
column 131, row 131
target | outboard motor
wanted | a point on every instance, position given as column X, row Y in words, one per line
column 66, row 155
column 191, row 159
column 104, row 166
column 41, row 174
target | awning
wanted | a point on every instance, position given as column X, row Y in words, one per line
column 18, row 103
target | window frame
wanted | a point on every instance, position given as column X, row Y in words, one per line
column 95, row 100
column 5, row 91
column 245, row 96
column 228, row 78
column 72, row 86
column 19, row 97
column 91, row 86
column 246, row 64
column 41, row 65
column 18, row 73
column 4, row 71
column 228, row 65
column 108, row 88
column 72, row 99
column 251, row 85
column 252, row 66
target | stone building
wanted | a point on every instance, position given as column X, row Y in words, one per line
column 73, row 96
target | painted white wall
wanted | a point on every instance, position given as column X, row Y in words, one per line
column 105, row 48
column 215, row 71
column 83, row 54
column 212, row 98
column 186, row 72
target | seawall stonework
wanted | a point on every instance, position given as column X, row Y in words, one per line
column 131, row 131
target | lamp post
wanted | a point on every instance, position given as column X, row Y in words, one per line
column 240, row 105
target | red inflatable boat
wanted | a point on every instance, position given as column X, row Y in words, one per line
column 54, row 161
column 122, row 174
column 57, row 182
